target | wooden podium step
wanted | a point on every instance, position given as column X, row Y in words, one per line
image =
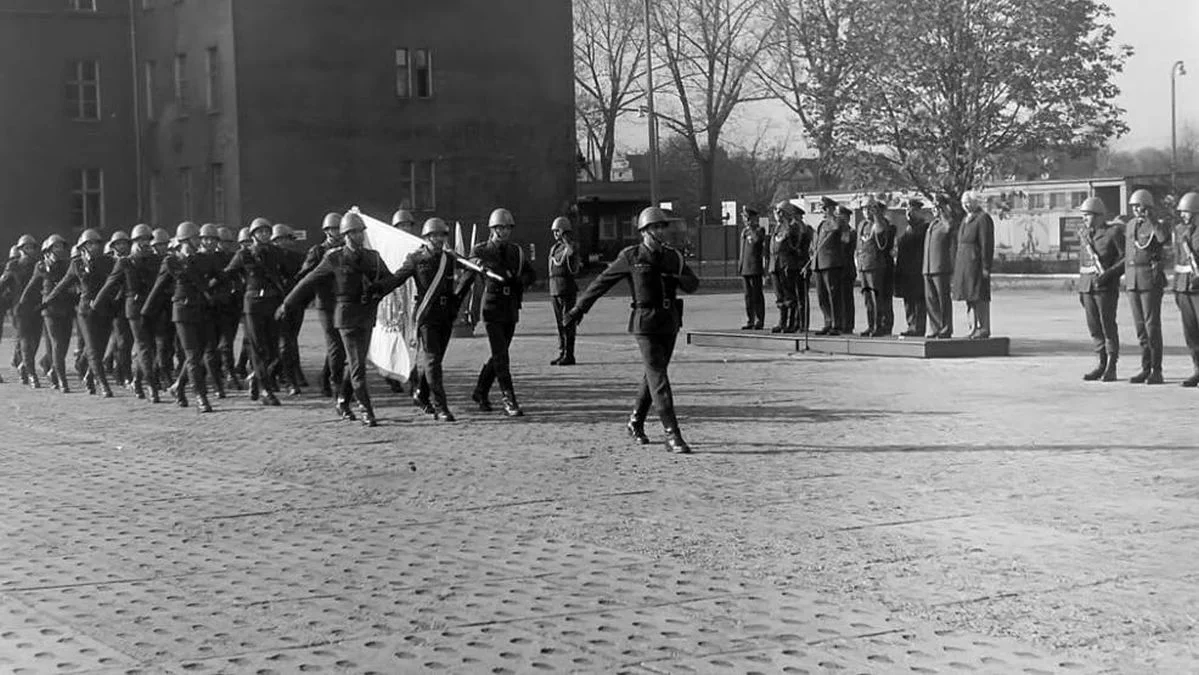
column 902, row 347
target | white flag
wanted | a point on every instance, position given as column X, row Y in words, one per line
column 393, row 342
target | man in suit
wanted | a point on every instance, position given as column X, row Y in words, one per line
column 972, row 268
column 656, row 273
column 909, row 254
column 1145, row 282
column 1186, row 277
column 1100, row 264
column 564, row 265
column 750, row 267
column 940, row 250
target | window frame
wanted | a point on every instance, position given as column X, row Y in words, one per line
column 406, row 69
column 216, row 186
column 81, row 191
column 78, row 5
column 77, row 85
column 180, row 83
column 212, row 75
column 148, row 82
column 186, row 193
column 417, row 71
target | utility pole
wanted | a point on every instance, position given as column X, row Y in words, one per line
column 649, row 99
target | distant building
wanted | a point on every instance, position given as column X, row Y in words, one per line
column 216, row 110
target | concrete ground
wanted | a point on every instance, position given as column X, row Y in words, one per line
column 840, row 514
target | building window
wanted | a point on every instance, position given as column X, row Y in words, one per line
column 148, row 85
column 403, row 74
column 83, row 90
column 185, row 192
column 1077, row 198
column 607, row 226
column 155, row 198
column 181, row 83
column 216, row 179
column 418, row 185
column 212, row 67
column 87, row 198
column 82, row 5
column 423, row 61
column 630, row 229
column 1036, row 200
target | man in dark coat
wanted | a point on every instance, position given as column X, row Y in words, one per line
column 909, row 257
column 1100, row 264
column 750, row 267
column 940, row 250
column 972, row 268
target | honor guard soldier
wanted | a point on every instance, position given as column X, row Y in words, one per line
column 226, row 302
column 325, row 303
column 876, row 268
column 132, row 279
column 940, row 250
column 909, row 256
column 221, row 302
column 26, row 320
column 354, row 271
column 656, row 273
column 751, row 267
column 829, row 260
column 1186, row 277
column 789, row 250
column 1100, row 264
column 564, row 289
column 58, row 315
column 432, row 268
column 261, row 268
column 6, row 294
column 186, row 278
column 44, row 279
column 972, row 269
column 500, row 307
column 119, row 357
column 1145, row 282
column 89, row 272
column 282, row 237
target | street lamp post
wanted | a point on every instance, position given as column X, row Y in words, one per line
column 1177, row 69
column 649, row 100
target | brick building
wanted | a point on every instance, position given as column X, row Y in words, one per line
column 290, row 109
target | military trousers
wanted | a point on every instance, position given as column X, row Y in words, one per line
column 656, row 352
column 335, row 351
column 288, row 365
column 1147, row 320
column 939, row 304
column 980, row 317
column 164, row 346
column 499, row 338
column 848, row 309
column 828, row 295
column 58, row 327
column 196, row 340
column 1100, row 310
column 263, row 332
column 432, row 341
column 356, row 341
column 566, row 334
column 29, row 337
column 1188, row 309
column 914, row 313
column 755, row 298
column 228, row 321
column 143, row 351
column 120, row 348
column 97, row 328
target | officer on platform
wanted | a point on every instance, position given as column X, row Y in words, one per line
column 940, row 251
column 875, row 246
column 325, row 303
column 564, row 290
column 828, row 262
column 500, row 307
column 751, row 268
column 1100, row 264
column 909, row 255
column 788, row 259
column 971, row 280
column 1145, row 281
column 89, row 272
column 655, row 272
column 1186, row 277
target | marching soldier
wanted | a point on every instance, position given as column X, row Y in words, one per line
column 89, row 272
column 788, row 260
column 500, row 307
column 432, row 268
column 289, row 330
column 399, row 307
column 564, row 290
column 261, row 269
column 246, row 242
column 1145, row 281
column 354, row 272
column 829, row 260
column 26, row 319
column 324, row 302
column 1100, row 264
column 909, row 284
column 58, row 316
column 226, row 303
column 972, row 268
column 6, row 294
column 1186, row 277
column 940, row 250
column 220, row 303
column 876, row 241
column 119, row 356
column 159, row 322
column 655, row 273
column 750, row 266
column 133, row 278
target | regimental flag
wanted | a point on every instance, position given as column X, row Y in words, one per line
column 393, row 342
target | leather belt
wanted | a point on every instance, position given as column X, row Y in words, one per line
column 666, row 304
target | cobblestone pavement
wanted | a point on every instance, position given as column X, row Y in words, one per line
column 841, row 514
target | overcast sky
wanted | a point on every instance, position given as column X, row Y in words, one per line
column 1160, row 31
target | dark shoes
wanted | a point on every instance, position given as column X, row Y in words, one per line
column 568, row 360
column 1155, row 377
column 1139, row 378
column 482, row 400
column 636, row 430
column 444, row 415
column 675, row 443
column 344, row 412
column 511, row 407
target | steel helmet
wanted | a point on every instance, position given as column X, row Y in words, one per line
column 332, row 221
column 243, row 236
column 259, row 224
column 186, row 230
column 651, row 215
column 26, row 240
column 119, row 235
column 89, row 235
column 1142, row 197
column 280, row 231
column 434, row 225
column 209, row 231
column 161, row 236
column 1189, row 203
column 53, row 240
column 225, row 233
column 402, row 216
column 108, row 248
column 351, row 222
column 561, row 224
column 14, row 251
column 1093, row 205
column 142, row 231
column 501, row 217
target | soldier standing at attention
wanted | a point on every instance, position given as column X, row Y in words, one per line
column 564, row 290
column 1145, row 281
column 354, row 272
column 89, row 272
column 133, row 278
column 909, row 283
column 325, row 304
column 500, row 307
column 972, row 269
column 828, row 262
column 750, row 266
column 876, row 241
column 261, row 269
column 655, row 273
column 1100, row 264
column 1186, row 277
column 788, row 256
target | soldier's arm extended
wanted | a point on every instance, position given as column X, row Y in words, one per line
column 114, row 283
column 162, row 286
column 303, row 291
column 32, row 292
column 612, row 275
column 71, row 277
column 397, row 278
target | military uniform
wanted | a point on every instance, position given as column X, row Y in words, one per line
column 750, row 266
column 186, row 280
column 1186, row 289
column 1100, row 264
column 262, row 271
column 564, row 266
column 500, row 312
column 1145, row 282
column 909, row 282
column 58, row 315
column 971, row 281
column 90, row 273
column 225, row 301
column 876, row 272
column 133, row 277
column 940, row 251
column 25, row 318
column 790, row 246
column 849, row 274
column 289, row 328
column 829, row 260
column 325, row 303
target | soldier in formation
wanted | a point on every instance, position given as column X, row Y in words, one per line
column 564, row 266
column 1100, row 264
column 1186, row 277
column 750, row 265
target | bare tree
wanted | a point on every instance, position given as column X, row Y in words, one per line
column 769, row 173
column 814, row 66
column 708, row 49
column 609, row 51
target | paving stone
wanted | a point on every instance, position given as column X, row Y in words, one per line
column 53, row 649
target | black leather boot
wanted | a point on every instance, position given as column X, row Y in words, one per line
column 1155, row 377
column 482, row 400
column 782, row 324
column 202, row 404
column 368, row 415
column 1109, row 374
column 511, row 407
column 1097, row 373
column 675, row 442
column 1193, row 380
column 343, row 410
column 1140, row 377
column 636, row 429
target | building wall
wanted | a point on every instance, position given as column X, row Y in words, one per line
column 321, row 127
column 41, row 145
